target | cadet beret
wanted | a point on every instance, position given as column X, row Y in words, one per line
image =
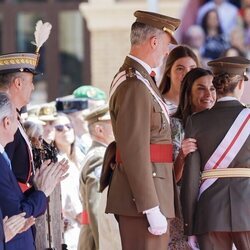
column 89, row 92
column 165, row 23
column 100, row 113
column 19, row 62
column 70, row 104
column 47, row 112
column 236, row 65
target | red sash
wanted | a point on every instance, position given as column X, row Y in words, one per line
column 159, row 153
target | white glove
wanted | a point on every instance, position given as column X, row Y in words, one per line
column 157, row 221
column 193, row 243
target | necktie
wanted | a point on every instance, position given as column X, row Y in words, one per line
column 152, row 74
column 6, row 157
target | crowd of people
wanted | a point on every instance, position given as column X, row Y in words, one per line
column 213, row 27
column 163, row 165
column 76, row 128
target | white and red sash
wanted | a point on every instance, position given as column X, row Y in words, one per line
column 229, row 147
column 121, row 77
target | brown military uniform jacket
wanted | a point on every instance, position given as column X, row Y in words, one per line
column 137, row 120
column 225, row 205
column 89, row 186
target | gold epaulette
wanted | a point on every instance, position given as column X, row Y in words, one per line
column 225, row 172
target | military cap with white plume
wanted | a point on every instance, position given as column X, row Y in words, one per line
column 26, row 62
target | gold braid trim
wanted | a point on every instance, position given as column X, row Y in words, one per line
column 225, row 172
column 18, row 60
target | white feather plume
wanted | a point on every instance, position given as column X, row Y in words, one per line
column 41, row 34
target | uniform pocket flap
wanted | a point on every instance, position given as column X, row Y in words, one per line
column 160, row 171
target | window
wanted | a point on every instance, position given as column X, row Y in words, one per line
column 64, row 60
column 70, row 51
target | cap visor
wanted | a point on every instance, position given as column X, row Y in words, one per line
column 33, row 71
column 9, row 71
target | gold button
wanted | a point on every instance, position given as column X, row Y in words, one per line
column 154, row 174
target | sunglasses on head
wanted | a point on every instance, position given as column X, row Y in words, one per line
column 60, row 128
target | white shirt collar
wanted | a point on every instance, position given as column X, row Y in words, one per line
column 227, row 98
column 143, row 64
column 1, row 149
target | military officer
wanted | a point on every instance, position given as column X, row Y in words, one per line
column 100, row 130
column 17, row 71
column 216, row 184
column 142, row 190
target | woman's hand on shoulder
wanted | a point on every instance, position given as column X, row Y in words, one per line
column 188, row 145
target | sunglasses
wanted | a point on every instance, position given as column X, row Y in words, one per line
column 60, row 128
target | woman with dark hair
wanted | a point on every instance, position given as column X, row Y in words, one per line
column 215, row 41
column 192, row 85
column 216, row 185
column 197, row 94
column 179, row 61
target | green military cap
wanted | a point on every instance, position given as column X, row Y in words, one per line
column 236, row 65
column 19, row 62
column 100, row 113
column 47, row 112
column 162, row 22
column 89, row 92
